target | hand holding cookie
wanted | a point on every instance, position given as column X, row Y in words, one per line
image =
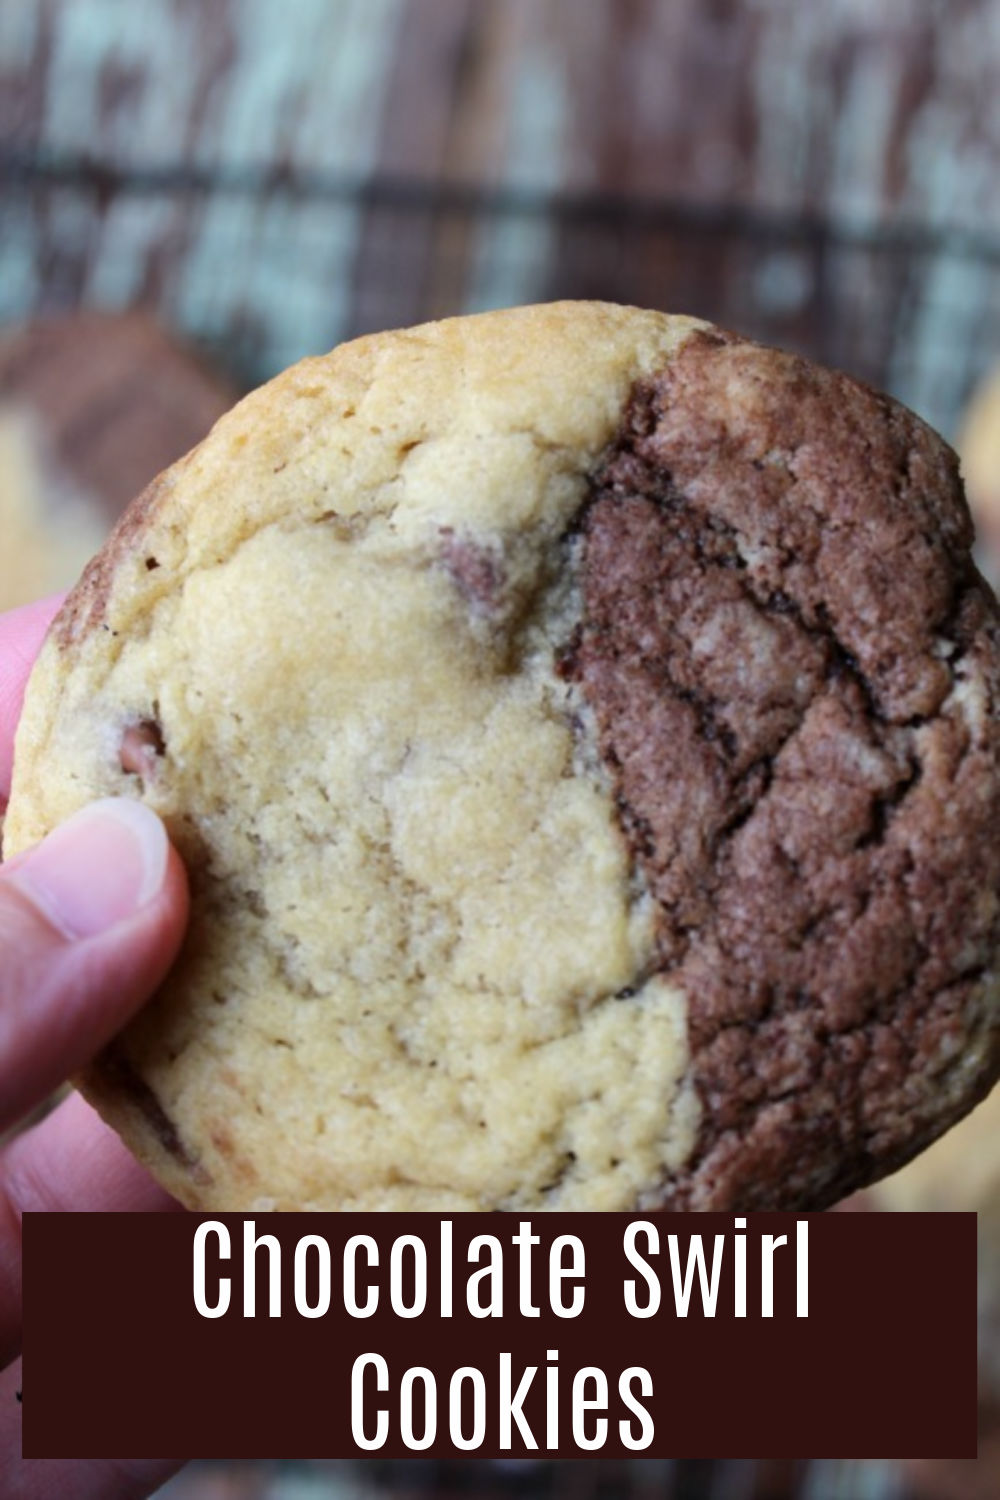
column 89, row 922
column 580, row 727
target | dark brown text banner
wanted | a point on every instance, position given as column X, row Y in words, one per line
column 489, row 1335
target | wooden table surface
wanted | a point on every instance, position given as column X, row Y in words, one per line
column 270, row 176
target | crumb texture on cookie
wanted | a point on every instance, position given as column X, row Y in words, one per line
column 324, row 650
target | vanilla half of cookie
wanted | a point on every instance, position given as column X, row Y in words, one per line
column 580, row 727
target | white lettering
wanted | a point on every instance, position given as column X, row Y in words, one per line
column 216, row 1309
column 475, row 1377
column 510, row 1406
column 647, row 1309
column 322, row 1304
column 358, row 1401
column 645, row 1434
column 582, row 1404
column 683, row 1287
column 354, row 1244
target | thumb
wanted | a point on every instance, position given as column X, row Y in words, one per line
column 90, row 921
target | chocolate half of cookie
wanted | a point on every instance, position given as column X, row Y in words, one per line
column 794, row 671
column 580, row 727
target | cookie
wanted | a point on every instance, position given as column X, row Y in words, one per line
column 580, row 728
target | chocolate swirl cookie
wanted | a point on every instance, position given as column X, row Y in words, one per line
column 580, row 726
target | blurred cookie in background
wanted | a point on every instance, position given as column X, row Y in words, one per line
column 961, row 1173
column 49, row 529
column 979, row 450
column 92, row 406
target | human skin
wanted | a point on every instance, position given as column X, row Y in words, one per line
column 90, row 921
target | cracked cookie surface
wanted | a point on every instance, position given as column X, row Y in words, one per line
column 581, row 730
column 778, row 598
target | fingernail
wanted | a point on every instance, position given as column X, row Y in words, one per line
column 98, row 868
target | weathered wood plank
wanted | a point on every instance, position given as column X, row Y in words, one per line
column 229, row 147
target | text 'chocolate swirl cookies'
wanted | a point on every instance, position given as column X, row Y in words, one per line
column 580, row 727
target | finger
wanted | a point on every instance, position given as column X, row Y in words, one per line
column 21, row 634
column 54, row 1478
column 71, row 1162
column 90, row 921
